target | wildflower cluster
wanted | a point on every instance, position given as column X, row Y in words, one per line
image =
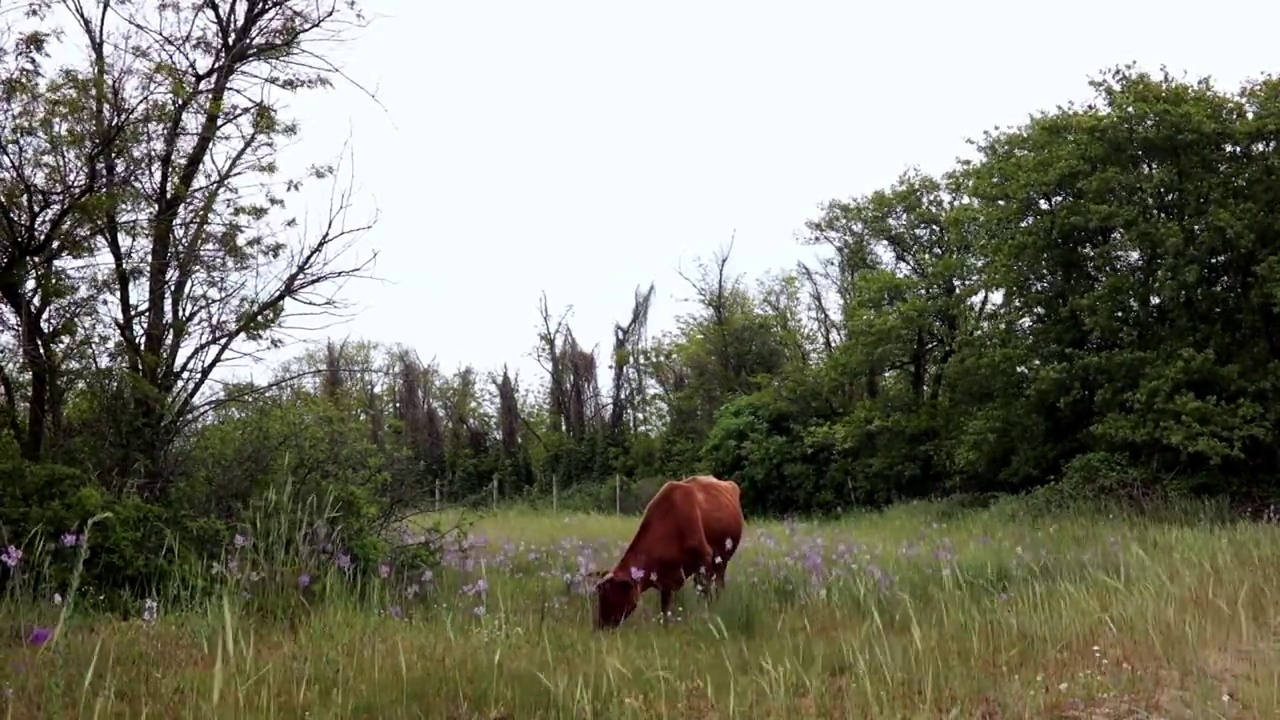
column 803, row 562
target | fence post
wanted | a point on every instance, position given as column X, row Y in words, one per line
column 555, row 493
column 437, row 493
column 617, row 493
column 495, row 491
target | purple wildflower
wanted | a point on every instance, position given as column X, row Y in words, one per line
column 637, row 574
column 384, row 570
column 70, row 539
column 39, row 636
column 344, row 561
column 11, row 556
column 304, row 580
column 881, row 577
column 814, row 563
column 479, row 587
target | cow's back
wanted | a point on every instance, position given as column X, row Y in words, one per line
column 669, row 530
column 720, row 510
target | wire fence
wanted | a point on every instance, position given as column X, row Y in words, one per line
column 615, row 494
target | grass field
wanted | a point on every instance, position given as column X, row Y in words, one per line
column 908, row 614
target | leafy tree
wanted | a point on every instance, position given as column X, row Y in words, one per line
column 1135, row 245
column 164, row 137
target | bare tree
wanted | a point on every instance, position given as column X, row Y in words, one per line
column 573, row 388
column 830, row 331
column 334, row 378
column 715, row 290
column 628, row 379
column 585, row 408
column 508, row 415
column 550, row 357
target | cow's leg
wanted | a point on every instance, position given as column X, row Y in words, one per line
column 713, row 585
column 722, row 567
column 706, row 571
column 666, row 596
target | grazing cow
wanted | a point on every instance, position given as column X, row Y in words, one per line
column 691, row 528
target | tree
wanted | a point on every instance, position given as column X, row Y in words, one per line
column 172, row 125
column 628, row 377
column 50, row 179
column 1135, row 241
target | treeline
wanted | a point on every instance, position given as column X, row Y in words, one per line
column 1091, row 302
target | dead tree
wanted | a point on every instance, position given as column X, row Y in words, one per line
column 628, row 379
column 584, row 389
column 374, row 407
column 416, row 411
column 552, row 360
column 829, row 331
column 715, row 290
column 508, row 416
column 334, row 377
column 410, row 409
column 434, row 432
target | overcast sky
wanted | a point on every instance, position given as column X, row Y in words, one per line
column 583, row 148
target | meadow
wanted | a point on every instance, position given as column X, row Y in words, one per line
column 922, row 611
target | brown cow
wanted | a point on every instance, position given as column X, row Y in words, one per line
column 691, row 528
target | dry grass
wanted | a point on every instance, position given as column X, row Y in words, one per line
column 899, row 615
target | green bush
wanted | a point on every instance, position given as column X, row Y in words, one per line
column 43, row 511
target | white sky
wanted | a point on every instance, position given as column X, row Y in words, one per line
column 588, row 147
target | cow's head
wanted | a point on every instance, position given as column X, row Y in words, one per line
column 616, row 598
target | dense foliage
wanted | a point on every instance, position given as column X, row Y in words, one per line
column 1092, row 302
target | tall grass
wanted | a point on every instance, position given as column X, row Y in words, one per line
column 921, row 611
